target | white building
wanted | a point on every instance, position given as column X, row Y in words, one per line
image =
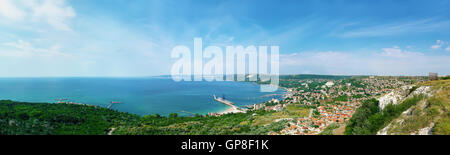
column 329, row 84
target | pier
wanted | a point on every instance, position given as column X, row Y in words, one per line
column 112, row 103
column 233, row 108
column 224, row 101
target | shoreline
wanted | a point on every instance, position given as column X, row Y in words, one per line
column 135, row 101
column 235, row 109
column 230, row 110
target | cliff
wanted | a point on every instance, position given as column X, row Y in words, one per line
column 429, row 116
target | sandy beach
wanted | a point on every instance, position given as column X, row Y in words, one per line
column 231, row 109
column 234, row 109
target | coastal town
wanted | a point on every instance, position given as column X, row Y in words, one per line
column 328, row 101
column 311, row 105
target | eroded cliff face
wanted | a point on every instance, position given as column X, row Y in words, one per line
column 417, row 120
column 395, row 97
column 405, row 125
column 399, row 95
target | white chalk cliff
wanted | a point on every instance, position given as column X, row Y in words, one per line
column 397, row 97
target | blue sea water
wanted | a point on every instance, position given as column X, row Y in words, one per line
column 140, row 96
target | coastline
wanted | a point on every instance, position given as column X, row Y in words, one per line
column 230, row 110
column 235, row 109
column 245, row 94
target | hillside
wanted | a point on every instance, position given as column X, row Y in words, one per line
column 429, row 116
column 414, row 109
column 422, row 108
column 19, row 118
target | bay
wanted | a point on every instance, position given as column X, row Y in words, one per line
column 140, row 96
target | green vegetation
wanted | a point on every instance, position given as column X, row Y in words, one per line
column 368, row 119
column 443, row 126
column 152, row 125
column 270, row 103
column 330, row 129
column 359, row 123
column 291, row 111
column 312, row 76
column 40, row 118
column 274, row 127
column 343, row 98
column 255, row 122
column 357, row 96
column 353, row 81
column 445, row 78
column 439, row 108
column 291, row 81
column 18, row 118
column 424, row 111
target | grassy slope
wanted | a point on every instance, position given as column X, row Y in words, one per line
column 433, row 110
column 423, row 112
column 32, row 118
column 19, row 118
column 439, row 106
column 43, row 118
column 291, row 111
column 255, row 123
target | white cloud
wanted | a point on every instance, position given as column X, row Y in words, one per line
column 448, row 48
column 30, row 59
column 23, row 48
column 10, row 11
column 396, row 52
column 438, row 45
column 389, row 29
column 387, row 61
column 329, row 62
column 399, row 53
column 53, row 12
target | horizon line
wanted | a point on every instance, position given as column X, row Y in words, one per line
column 149, row 76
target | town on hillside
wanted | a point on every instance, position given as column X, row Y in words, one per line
column 329, row 100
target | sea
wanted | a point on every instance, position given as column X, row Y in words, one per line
column 141, row 96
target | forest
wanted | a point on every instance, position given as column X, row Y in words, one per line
column 20, row 118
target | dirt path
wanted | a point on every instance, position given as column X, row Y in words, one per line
column 340, row 130
column 111, row 131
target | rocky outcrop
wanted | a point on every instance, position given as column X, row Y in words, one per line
column 385, row 130
column 397, row 97
column 425, row 131
column 424, row 90
column 394, row 97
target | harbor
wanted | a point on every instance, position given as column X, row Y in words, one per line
column 224, row 101
column 232, row 109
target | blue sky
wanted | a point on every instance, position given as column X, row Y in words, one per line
column 135, row 38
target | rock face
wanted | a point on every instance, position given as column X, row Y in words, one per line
column 384, row 131
column 425, row 90
column 394, row 97
column 397, row 97
column 426, row 130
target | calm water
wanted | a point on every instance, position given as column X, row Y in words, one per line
column 140, row 96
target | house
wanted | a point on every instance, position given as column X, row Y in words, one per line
column 433, row 76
